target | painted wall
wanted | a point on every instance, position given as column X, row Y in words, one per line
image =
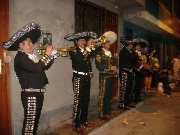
column 56, row 17
column 140, row 32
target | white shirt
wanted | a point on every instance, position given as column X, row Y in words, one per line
column 33, row 57
column 108, row 53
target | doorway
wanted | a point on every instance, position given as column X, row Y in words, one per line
column 5, row 115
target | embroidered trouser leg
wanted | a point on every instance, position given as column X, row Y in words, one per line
column 32, row 104
column 81, row 89
column 125, row 88
column 106, row 86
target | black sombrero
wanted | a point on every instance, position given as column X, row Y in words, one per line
column 126, row 42
column 142, row 42
column 31, row 30
column 80, row 35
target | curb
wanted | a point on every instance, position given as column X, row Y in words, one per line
column 100, row 129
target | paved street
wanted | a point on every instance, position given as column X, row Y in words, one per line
column 156, row 115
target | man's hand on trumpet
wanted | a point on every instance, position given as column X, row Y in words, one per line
column 48, row 50
column 51, row 51
column 89, row 44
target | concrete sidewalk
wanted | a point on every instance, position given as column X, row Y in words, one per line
column 110, row 127
column 157, row 115
column 65, row 127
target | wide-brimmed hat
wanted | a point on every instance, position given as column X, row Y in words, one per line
column 126, row 42
column 81, row 35
column 31, row 30
column 140, row 41
column 109, row 36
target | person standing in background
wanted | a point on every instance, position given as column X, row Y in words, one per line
column 148, row 71
column 155, row 70
column 176, row 68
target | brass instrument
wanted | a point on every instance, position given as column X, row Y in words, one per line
column 97, row 42
column 64, row 52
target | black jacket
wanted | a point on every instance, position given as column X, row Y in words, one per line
column 103, row 62
column 125, row 58
column 80, row 62
column 30, row 74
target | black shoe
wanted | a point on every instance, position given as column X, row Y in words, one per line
column 112, row 113
column 131, row 106
column 88, row 124
column 123, row 108
column 104, row 118
column 138, row 100
column 79, row 130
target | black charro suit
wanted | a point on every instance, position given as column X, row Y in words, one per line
column 125, row 74
column 138, row 76
column 30, row 74
column 33, row 80
column 80, row 62
column 81, row 65
column 106, row 78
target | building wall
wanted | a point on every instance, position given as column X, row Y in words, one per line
column 156, row 41
column 165, row 16
column 56, row 17
column 152, row 6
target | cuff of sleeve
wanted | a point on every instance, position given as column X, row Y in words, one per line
column 46, row 59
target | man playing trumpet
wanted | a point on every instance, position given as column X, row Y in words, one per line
column 31, row 73
column 82, row 74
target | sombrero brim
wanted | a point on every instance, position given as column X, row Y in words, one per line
column 125, row 41
column 110, row 36
column 31, row 30
column 142, row 42
column 81, row 35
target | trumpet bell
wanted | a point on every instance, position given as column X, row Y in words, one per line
column 109, row 36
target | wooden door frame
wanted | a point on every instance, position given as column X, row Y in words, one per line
column 5, row 115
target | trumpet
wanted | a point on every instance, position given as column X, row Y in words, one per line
column 97, row 42
column 64, row 52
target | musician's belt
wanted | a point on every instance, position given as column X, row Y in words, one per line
column 80, row 73
column 106, row 72
column 129, row 70
column 34, row 90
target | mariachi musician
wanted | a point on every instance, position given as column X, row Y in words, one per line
column 82, row 74
column 125, row 74
column 107, row 68
column 138, row 76
column 31, row 73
